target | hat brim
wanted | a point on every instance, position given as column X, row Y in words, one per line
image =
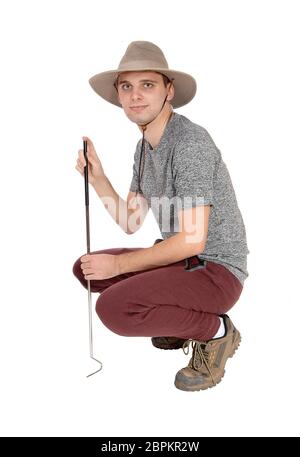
column 184, row 84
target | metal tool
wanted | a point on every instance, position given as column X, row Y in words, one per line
column 87, row 217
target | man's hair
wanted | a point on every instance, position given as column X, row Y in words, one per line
column 166, row 80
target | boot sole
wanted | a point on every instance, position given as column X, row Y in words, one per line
column 168, row 348
column 186, row 388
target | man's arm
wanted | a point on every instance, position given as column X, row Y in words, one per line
column 130, row 214
column 190, row 240
column 139, row 208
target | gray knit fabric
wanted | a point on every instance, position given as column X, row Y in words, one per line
column 186, row 169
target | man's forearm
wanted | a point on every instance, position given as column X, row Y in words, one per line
column 115, row 205
column 168, row 251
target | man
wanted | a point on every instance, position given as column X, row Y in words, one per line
column 179, row 289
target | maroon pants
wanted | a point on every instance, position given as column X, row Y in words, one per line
column 164, row 301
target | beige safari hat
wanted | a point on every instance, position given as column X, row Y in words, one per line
column 142, row 56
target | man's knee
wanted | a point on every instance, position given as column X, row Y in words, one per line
column 112, row 315
column 77, row 271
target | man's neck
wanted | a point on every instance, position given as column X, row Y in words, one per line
column 156, row 128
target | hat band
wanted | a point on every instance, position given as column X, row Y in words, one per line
column 141, row 64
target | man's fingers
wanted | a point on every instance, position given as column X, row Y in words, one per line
column 79, row 169
column 89, row 277
column 89, row 142
column 87, row 269
column 90, row 145
column 86, row 258
column 90, row 155
column 81, row 158
column 85, row 265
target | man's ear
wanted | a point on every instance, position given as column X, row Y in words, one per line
column 118, row 97
column 171, row 92
column 116, row 89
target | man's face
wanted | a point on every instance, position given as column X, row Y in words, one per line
column 144, row 89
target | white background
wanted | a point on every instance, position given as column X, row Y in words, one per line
column 244, row 56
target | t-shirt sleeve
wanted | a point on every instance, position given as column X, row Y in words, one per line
column 193, row 173
column 134, row 181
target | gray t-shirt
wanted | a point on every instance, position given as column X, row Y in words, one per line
column 187, row 169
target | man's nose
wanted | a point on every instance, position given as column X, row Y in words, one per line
column 136, row 94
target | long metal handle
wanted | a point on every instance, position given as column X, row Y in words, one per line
column 87, row 218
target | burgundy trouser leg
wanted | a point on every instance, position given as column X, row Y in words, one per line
column 164, row 301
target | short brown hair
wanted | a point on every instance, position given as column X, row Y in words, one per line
column 166, row 79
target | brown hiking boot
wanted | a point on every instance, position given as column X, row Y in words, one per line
column 206, row 366
column 167, row 342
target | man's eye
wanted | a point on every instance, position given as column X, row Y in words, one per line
column 124, row 86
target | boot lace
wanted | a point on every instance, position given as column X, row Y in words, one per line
column 199, row 357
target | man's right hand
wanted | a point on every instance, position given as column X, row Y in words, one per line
column 95, row 170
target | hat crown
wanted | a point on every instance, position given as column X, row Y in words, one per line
column 141, row 55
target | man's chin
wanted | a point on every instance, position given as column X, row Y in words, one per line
column 137, row 118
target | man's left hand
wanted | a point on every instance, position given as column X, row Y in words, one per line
column 100, row 266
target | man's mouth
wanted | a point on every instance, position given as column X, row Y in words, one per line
column 137, row 109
